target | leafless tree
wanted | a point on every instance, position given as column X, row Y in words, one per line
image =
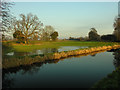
column 5, row 15
column 29, row 25
column 46, row 33
column 116, row 26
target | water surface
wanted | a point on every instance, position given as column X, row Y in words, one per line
column 45, row 50
column 74, row 72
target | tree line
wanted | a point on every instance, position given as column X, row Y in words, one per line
column 29, row 27
column 94, row 36
column 114, row 37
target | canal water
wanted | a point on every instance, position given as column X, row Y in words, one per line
column 74, row 72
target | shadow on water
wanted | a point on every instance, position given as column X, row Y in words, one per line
column 112, row 80
column 116, row 60
column 8, row 81
column 116, row 54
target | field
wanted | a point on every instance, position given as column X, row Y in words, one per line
column 25, row 61
column 94, row 47
column 34, row 45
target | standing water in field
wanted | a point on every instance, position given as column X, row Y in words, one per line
column 45, row 50
column 74, row 72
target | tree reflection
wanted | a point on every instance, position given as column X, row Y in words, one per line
column 49, row 50
column 93, row 55
column 116, row 60
column 7, row 81
column 42, row 51
column 31, row 69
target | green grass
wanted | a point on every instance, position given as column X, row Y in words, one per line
column 28, row 60
column 34, row 45
column 110, row 81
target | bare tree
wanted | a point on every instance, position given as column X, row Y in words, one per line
column 5, row 18
column 49, row 29
column 46, row 33
column 29, row 25
column 5, row 15
column 116, row 26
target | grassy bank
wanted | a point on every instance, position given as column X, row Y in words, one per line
column 27, row 60
column 34, row 45
column 111, row 81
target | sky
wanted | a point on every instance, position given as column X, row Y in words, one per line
column 64, row 0
column 72, row 19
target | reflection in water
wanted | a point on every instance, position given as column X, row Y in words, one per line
column 36, row 52
column 31, row 69
column 68, row 48
column 34, row 68
column 70, row 71
column 45, row 51
column 7, row 81
column 116, row 60
column 93, row 55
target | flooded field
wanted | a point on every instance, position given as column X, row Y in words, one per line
column 45, row 50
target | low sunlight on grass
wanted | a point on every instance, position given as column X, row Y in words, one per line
column 40, row 45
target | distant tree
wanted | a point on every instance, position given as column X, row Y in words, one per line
column 28, row 25
column 46, row 33
column 71, row 38
column 86, row 38
column 81, row 38
column 93, row 35
column 45, row 36
column 117, row 28
column 49, row 29
column 109, row 37
column 54, row 35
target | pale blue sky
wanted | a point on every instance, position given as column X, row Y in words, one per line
column 72, row 18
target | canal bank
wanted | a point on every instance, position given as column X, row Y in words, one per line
column 28, row 60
